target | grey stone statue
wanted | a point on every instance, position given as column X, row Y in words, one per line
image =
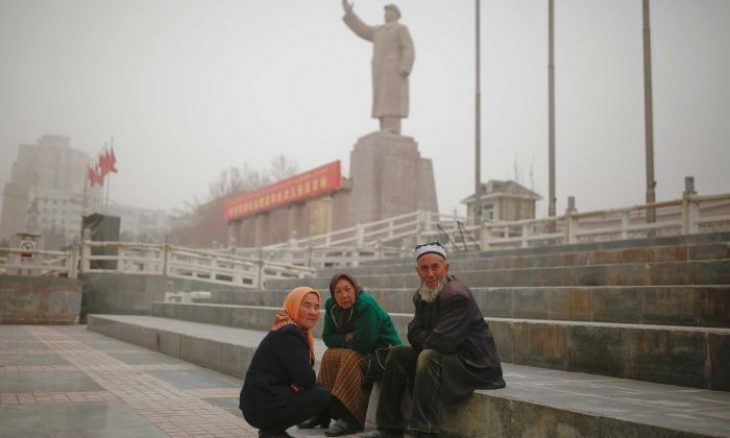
column 392, row 62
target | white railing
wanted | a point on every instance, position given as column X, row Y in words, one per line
column 691, row 214
column 348, row 247
column 147, row 259
column 389, row 238
column 180, row 262
column 38, row 263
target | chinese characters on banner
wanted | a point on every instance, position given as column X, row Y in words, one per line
column 323, row 179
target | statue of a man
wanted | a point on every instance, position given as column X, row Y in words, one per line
column 392, row 62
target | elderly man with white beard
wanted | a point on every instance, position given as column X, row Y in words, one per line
column 452, row 352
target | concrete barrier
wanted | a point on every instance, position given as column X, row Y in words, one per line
column 39, row 300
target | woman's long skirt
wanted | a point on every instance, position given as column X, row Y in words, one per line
column 341, row 371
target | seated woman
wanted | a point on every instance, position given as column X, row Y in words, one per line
column 355, row 325
column 280, row 390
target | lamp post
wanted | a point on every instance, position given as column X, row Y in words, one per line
column 551, row 113
column 648, row 116
column 477, row 124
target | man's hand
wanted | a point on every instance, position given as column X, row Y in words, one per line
column 349, row 337
column 347, row 6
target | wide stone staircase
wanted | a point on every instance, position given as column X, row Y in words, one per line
column 613, row 339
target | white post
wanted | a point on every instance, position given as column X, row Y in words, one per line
column 73, row 260
column 525, row 235
column 260, row 263
column 360, row 234
column 625, row 225
column 165, row 259
column 85, row 254
column 690, row 207
column 571, row 223
column 484, row 236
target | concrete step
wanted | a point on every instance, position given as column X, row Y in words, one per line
column 695, row 357
column 536, row 402
column 674, row 305
column 625, row 274
column 496, row 261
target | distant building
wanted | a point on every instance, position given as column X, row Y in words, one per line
column 140, row 224
column 313, row 202
column 46, row 179
column 504, row 201
column 55, row 214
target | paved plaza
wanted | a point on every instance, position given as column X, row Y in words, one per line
column 65, row 381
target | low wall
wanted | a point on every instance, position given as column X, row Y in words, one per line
column 39, row 300
column 131, row 294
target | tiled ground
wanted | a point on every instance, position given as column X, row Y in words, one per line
column 64, row 381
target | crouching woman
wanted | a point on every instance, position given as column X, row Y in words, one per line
column 355, row 325
column 280, row 388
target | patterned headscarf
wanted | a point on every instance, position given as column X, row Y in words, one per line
column 290, row 311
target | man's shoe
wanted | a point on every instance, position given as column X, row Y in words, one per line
column 321, row 420
column 380, row 433
column 273, row 434
column 341, row 427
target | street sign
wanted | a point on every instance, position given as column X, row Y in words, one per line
column 27, row 247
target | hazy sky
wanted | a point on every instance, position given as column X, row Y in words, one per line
column 190, row 87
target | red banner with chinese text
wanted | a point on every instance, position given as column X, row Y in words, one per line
column 323, row 179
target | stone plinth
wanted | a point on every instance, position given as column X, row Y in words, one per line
column 389, row 178
column 39, row 300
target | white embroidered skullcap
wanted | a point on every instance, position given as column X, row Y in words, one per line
column 432, row 248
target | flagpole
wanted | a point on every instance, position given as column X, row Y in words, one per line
column 648, row 115
column 86, row 190
column 108, row 183
column 551, row 112
column 477, row 120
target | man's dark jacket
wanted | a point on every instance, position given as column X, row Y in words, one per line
column 454, row 324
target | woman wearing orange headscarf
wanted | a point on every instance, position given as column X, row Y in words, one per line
column 280, row 388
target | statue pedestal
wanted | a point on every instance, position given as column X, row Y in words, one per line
column 389, row 178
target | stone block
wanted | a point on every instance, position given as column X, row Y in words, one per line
column 502, row 333
column 389, row 178
column 594, row 275
column 478, row 416
column 495, row 303
column 203, row 352
column 616, row 304
column 537, row 421
column 719, row 367
column 668, row 356
column 531, row 303
column 169, row 343
column 598, row 350
column 714, row 306
column 670, row 305
column 575, row 304
column 232, row 360
column 616, row 428
column 540, row 345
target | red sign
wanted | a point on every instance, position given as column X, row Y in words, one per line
column 323, row 179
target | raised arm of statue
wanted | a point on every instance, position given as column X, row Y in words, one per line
column 355, row 24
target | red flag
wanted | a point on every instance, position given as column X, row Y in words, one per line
column 103, row 163
column 99, row 175
column 112, row 160
column 90, row 175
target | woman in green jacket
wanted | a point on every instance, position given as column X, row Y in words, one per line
column 354, row 326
